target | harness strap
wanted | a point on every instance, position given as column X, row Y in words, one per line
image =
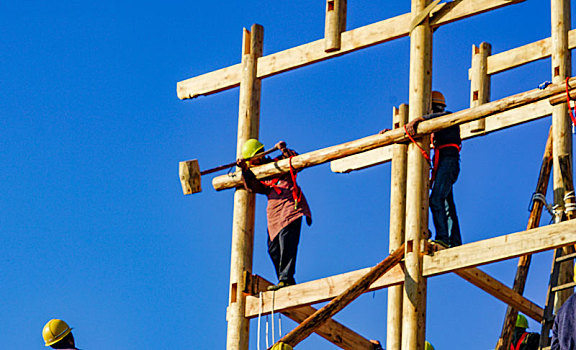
column 272, row 185
column 296, row 191
column 570, row 108
column 424, row 153
column 519, row 342
column 437, row 157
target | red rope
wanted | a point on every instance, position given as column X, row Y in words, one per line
column 571, row 112
column 424, row 153
column 296, row 189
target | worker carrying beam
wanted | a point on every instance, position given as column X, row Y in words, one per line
column 286, row 206
column 445, row 170
column 58, row 335
column 522, row 340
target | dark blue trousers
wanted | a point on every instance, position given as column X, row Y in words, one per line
column 442, row 201
column 283, row 250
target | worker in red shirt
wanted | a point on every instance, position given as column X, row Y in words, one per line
column 286, row 207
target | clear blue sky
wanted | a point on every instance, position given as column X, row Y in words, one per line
column 94, row 226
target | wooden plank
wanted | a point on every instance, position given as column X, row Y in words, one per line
column 393, row 136
column 333, row 331
column 524, row 54
column 496, row 288
column 449, row 260
column 351, row 41
column 496, row 122
column 308, row 326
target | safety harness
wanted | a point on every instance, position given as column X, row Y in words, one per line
column 519, row 342
column 433, row 165
column 568, row 99
column 296, row 191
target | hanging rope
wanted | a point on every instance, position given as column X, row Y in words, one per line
column 296, row 191
column 424, row 153
column 259, row 317
column 272, row 313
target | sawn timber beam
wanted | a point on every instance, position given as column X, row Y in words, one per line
column 449, row 260
column 351, row 41
column 393, row 136
column 496, row 122
column 333, row 331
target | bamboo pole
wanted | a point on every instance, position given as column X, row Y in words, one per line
column 308, row 326
column 243, row 220
column 524, row 261
column 479, row 81
column 414, row 303
column 393, row 136
column 397, row 225
column 562, row 140
column 335, row 24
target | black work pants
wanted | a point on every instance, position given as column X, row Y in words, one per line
column 283, row 251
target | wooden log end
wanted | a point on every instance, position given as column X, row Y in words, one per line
column 189, row 172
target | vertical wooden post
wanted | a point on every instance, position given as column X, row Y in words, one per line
column 414, row 304
column 479, row 81
column 397, row 225
column 335, row 24
column 562, row 138
column 243, row 221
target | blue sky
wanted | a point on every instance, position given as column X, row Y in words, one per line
column 94, row 226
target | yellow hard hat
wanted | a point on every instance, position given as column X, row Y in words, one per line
column 574, row 272
column 438, row 98
column 54, row 331
column 281, row 346
column 428, row 346
column 521, row 321
column 251, row 147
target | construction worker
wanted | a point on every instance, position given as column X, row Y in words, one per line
column 445, row 170
column 58, row 335
column 522, row 340
column 564, row 328
column 286, row 206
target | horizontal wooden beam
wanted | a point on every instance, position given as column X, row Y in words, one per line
column 459, row 258
column 351, row 41
column 393, row 136
column 496, row 122
column 333, row 331
column 524, row 54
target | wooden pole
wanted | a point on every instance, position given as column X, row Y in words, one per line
column 243, row 221
column 308, row 326
column 562, row 139
column 393, row 136
column 524, row 261
column 479, row 81
column 414, row 304
column 335, row 24
column 397, row 225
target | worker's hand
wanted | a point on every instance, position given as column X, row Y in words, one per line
column 241, row 163
column 280, row 145
column 410, row 127
column 383, row 131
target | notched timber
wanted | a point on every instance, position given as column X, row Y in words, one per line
column 449, row 260
column 313, row 52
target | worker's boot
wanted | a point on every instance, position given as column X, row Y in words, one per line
column 280, row 284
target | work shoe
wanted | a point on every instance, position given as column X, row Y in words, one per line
column 280, row 284
column 441, row 242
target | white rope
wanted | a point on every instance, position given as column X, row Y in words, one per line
column 280, row 326
column 267, row 319
column 259, row 317
column 272, row 313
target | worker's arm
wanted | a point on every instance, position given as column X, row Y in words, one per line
column 251, row 183
column 413, row 125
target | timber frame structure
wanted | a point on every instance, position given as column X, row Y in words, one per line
column 406, row 280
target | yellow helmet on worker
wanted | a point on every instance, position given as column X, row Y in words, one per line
column 251, row 147
column 428, row 346
column 521, row 321
column 54, row 331
column 438, row 98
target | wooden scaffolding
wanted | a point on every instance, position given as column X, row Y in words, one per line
column 406, row 281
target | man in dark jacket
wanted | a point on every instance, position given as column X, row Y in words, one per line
column 58, row 335
column 564, row 328
column 446, row 167
column 286, row 206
